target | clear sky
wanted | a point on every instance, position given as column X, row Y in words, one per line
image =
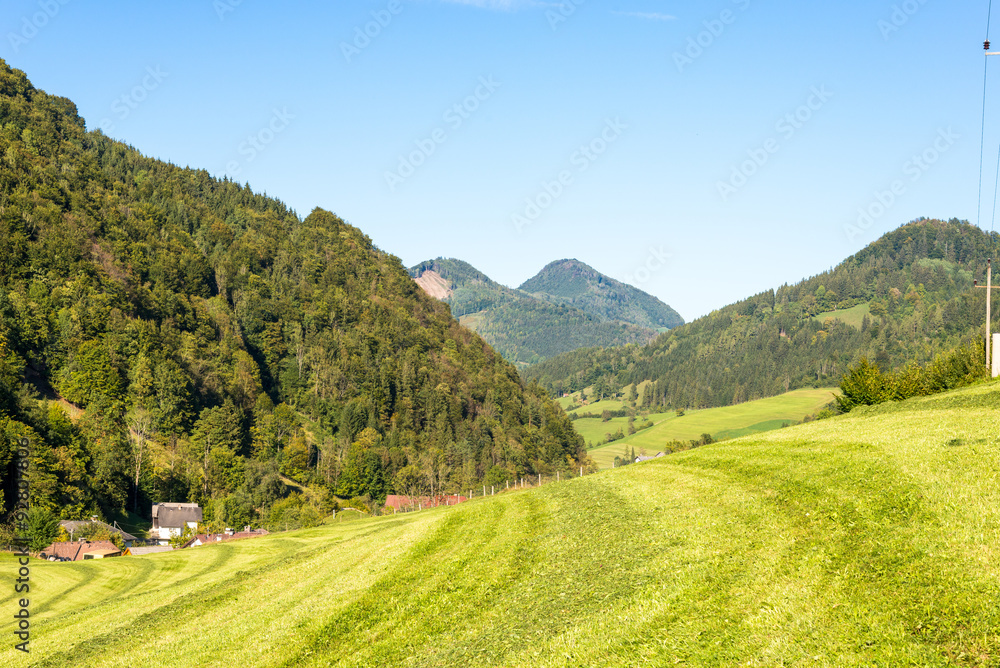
column 703, row 151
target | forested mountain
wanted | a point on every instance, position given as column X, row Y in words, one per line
column 905, row 298
column 522, row 328
column 577, row 284
column 216, row 344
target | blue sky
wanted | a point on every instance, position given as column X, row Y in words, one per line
column 701, row 151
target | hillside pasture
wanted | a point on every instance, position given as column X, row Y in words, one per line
column 723, row 422
column 853, row 316
column 871, row 539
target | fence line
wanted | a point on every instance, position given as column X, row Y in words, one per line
column 533, row 482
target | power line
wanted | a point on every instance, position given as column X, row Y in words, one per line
column 996, row 184
column 982, row 141
column 982, row 147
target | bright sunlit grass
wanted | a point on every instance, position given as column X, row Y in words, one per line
column 723, row 422
column 867, row 540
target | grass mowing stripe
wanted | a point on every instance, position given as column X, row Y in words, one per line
column 569, row 578
column 382, row 608
column 858, row 520
column 543, row 575
column 137, row 576
column 196, row 602
column 158, row 565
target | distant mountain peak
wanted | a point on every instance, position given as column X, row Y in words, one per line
column 573, row 282
column 523, row 328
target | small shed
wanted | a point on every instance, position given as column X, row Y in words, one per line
column 101, row 554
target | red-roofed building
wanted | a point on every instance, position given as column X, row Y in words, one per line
column 78, row 550
column 209, row 538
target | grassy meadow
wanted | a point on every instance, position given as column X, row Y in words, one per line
column 723, row 422
column 853, row 316
column 871, row 539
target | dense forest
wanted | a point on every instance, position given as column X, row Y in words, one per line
column 913, row 289
column 169, row 336
column 523, row 328
column 575, row 283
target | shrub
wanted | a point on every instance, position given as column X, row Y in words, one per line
column 42, row 528
column 866, row 384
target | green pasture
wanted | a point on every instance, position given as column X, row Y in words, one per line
column 871, row 539
column 723, row 422
column 849, row 316
column 597, row 407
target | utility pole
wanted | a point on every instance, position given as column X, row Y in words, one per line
column 989, row 333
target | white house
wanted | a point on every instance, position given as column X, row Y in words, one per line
column 171, row 519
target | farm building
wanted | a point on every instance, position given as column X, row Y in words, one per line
column 646, row 458
column 79, row 550
column 150, row 549
column 205, row 539
column 101, row 554
column 171, row 519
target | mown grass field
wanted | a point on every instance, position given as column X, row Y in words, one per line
column 853, row 316
column 723, row 422
column 872, row 539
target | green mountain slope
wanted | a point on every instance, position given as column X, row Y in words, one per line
column 914, row 287
column 522, row 328
column 215, row 340
column 865, row 540
column 573, row 282
column 721, row 423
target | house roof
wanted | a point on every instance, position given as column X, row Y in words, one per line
column 208, row 538
column 74, row 551
column 152, row 549
column 65, row 550
column 104, row 553
column 204, row 539
column 249, row 534
column 73, row 526
column 175, row 514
